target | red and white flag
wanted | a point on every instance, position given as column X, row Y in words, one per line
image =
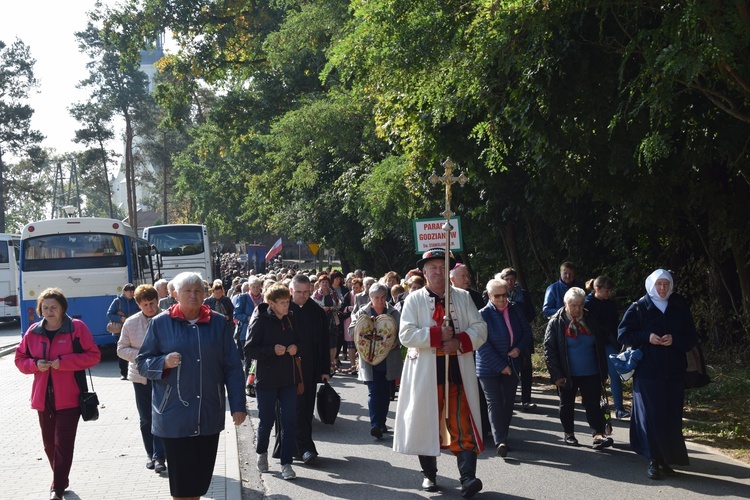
column 274, row 251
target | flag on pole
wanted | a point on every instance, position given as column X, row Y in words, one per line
column 274, row 251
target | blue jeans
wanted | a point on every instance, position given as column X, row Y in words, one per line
column 287, row 398
column 154, row 446
column 379, row 396
column 500, row 392
column 615, row 384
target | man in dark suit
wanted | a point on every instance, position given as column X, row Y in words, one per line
column 310, row 320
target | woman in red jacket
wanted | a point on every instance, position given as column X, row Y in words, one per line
column 46, row 351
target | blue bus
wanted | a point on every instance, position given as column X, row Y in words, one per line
column 89, row 259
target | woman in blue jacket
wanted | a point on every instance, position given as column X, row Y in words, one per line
column 192, row 362
column 499, row 359
column 659, row 324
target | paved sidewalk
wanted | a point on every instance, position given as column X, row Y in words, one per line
column 109, row 458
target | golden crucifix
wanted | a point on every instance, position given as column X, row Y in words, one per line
column 448, row 179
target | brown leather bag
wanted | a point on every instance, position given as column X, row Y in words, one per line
column 298, row 371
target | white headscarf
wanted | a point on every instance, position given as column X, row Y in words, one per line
column 659, row 302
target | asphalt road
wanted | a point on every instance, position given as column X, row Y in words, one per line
column 354, row 465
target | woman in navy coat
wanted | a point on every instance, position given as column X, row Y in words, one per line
column 499, row 359
column 659, row 324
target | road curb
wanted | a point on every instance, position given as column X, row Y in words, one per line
column 8, row 349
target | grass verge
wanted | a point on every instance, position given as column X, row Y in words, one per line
column 717, row 415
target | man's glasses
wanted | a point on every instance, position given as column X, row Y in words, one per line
column 499, row 295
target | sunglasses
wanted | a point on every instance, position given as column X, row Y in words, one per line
column 499, row 295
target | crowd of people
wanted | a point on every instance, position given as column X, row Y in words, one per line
column 453, row 368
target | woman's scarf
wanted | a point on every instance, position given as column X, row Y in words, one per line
column 320, row 297
column 204, row 315
column 256, row 299
column 506, row 316
column 575, row 326
column 659, row 302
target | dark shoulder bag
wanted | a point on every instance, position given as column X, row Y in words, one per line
column 88, row 401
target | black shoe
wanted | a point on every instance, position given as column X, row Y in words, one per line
column 150, row 464
column 159, row 466
column 429, row 484
column 666, row 469
column 653, row 470
column 123, row 377
column 602, row 442
column 471, row 487
column 309, row 457
column 528, row 407
column 502, row 450
column 376, row 432
column 384, row 428
column 571, row 440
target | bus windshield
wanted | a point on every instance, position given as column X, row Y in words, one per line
column 74, row 251
column 172, row 241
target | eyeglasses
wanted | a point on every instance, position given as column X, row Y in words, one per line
column 499, row 295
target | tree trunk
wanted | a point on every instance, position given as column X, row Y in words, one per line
column 164, row 179
column 740, row 255
column 513, row 254
column 2, row 193
column 106, row 179
column 535, row 245
column 129, row 177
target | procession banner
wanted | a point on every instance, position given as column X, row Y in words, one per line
column 429, row 233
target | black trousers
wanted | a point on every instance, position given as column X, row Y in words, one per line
column 591, row 392
column 305, row 410
column 305, row 413
column 526, row 377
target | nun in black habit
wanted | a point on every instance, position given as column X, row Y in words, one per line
column 660, row 324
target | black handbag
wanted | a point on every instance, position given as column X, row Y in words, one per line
column 328, row 404
column 696, row 375
column 88, row 401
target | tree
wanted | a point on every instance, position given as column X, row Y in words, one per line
column 16, row 135
column 115, row 80
column 28, row 189
column 95, row 134
column 613, row 134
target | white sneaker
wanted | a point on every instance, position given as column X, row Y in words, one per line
column 287, row 472
column 262, row 462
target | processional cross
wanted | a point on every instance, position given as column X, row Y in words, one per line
column 448, row 179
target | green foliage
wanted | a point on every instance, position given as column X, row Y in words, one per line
column 27, row 189
column 612, row 134
column 16, row 135
column 117, row 86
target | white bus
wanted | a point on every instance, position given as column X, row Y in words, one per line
column 183, row 248
column 89, row 260
column 9, row 308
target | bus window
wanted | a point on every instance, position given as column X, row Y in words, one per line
column 74, row 251
column 4, row 252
